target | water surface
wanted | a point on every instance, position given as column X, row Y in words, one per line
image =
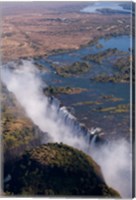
column 100, row 5
column 112, row 123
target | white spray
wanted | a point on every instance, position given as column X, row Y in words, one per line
column 24, row 82
column 114, row 159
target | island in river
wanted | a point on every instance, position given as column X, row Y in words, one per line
column 83, row 57
column 108, row 78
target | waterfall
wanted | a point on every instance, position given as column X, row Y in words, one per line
column 93, row 142
column 24, row 81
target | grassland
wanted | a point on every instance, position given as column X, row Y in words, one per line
column 29, row 30
column 121, row 108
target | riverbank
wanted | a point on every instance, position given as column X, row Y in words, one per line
column 42, row 32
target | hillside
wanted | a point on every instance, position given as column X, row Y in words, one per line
column 18, row 131
column 57, row 169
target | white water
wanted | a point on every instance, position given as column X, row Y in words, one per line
column 114, row 159
column 57, row 122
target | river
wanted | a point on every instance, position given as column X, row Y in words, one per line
column 114, row 124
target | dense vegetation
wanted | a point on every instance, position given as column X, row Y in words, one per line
column 99, row 57
column 120, row 62
column 124, row 66
column 57, row 169
column 63, row 90
column 115, row 78
column 18, row 131
column 76, row 68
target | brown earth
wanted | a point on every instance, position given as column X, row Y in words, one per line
column 29, row 30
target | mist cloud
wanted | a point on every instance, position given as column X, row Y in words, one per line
column 116, row 164
column 114, row 158
column 28, row 89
